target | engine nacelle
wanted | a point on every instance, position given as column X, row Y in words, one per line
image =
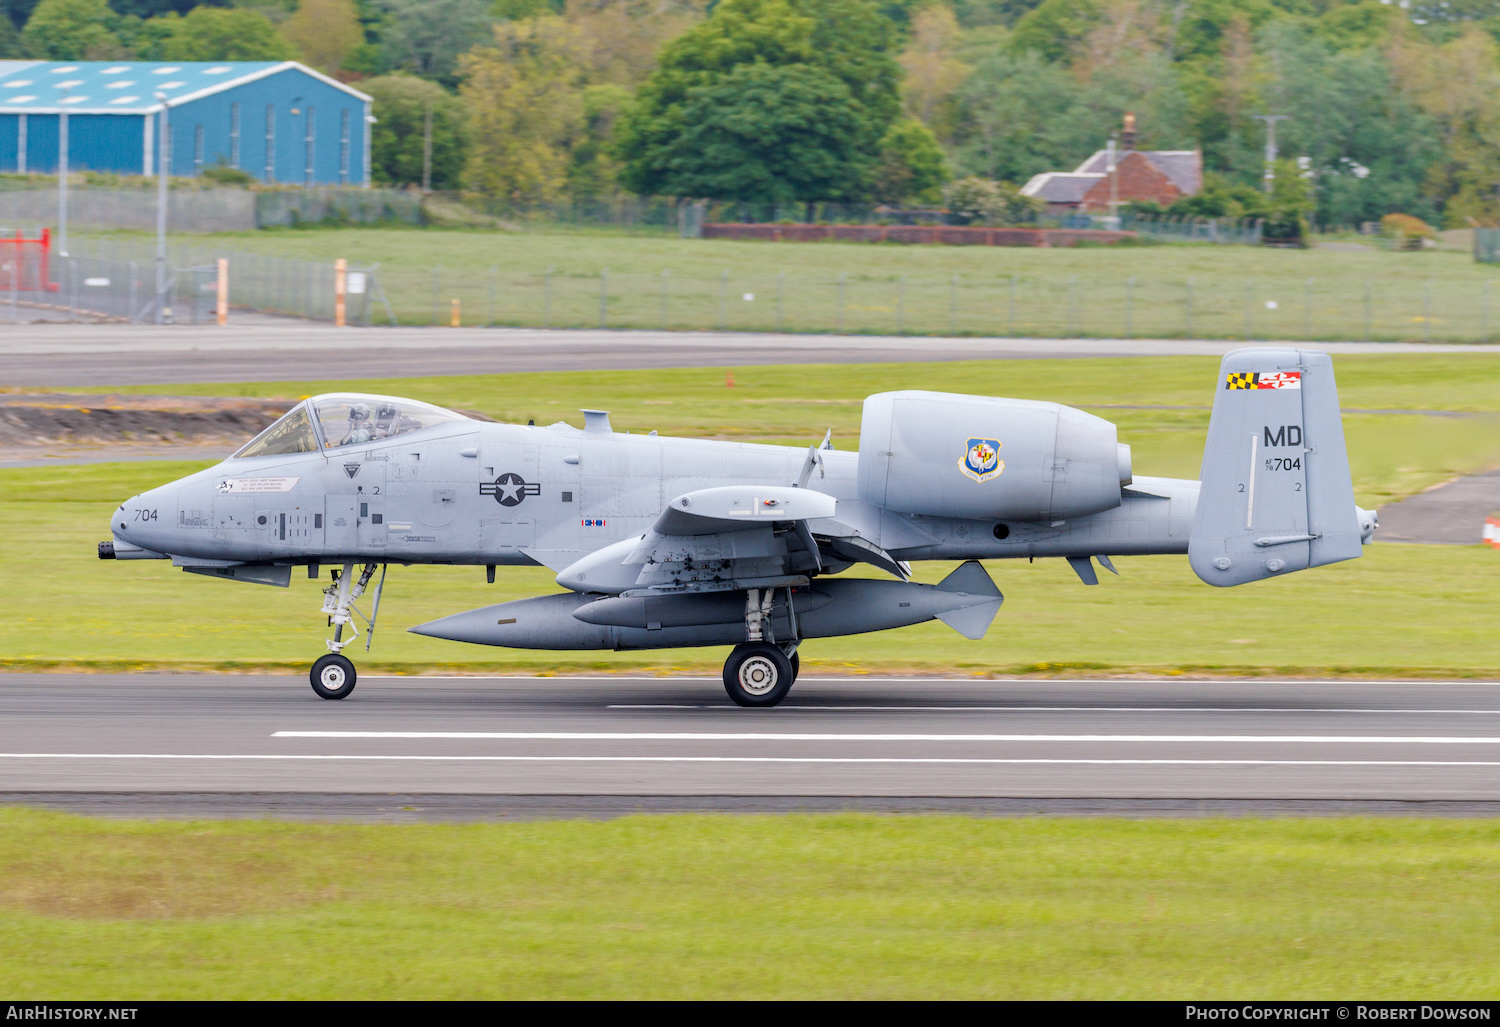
column 945, row 455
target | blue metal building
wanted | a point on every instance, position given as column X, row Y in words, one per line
column 277, row 120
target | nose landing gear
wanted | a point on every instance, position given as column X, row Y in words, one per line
column 333, row 676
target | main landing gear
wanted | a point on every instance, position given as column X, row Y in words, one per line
column 333, row 676
column 759, row 672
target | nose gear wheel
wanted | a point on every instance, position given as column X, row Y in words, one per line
column 333, row 676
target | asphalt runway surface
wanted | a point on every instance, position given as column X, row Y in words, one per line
column 1450, row 514
column 491, row 747
column 77, row 355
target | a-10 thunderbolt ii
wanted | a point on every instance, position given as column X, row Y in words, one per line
column 664, row 542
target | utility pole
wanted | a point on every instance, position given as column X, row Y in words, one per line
column 1114, row 184
column 427, row 149
column 1270, row 120
column 308, row 138
column 62, row 173
column 163, row 155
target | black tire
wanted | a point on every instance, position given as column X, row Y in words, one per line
column 796, row 666
column 333, row 677
column 757, row 674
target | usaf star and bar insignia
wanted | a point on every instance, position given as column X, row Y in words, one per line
column 1258, row 380
column 509, row 489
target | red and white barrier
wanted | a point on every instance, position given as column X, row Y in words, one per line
column 1491, row 535
column 24, row 263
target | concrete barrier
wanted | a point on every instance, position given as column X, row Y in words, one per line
column 947, row 235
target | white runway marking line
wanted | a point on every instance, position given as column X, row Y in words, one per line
column 271, row 757
column 766, row 736
column 1032, row 709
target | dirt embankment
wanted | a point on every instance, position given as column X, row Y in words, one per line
column 50, row 419
column 57, row 419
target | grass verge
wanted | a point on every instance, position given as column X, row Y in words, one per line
column 839, row 906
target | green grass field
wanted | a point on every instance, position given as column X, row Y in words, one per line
column 1155, row 617
column 1166, row 291
column 841, row 906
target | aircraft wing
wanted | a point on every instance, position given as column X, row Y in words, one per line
column 740, row 508
column 732, row 537
column 737, row 536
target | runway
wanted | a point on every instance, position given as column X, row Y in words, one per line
column 475, row 747
column 80, row 355
column 1452, row 513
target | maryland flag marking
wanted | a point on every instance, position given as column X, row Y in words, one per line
column 1256, row 380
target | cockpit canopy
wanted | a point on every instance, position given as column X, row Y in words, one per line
column 343, row 419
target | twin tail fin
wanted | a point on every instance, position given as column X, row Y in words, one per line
column 1276, row 494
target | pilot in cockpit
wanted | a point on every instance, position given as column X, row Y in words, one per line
column 360, row 429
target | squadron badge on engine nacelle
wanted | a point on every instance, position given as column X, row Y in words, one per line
column 982, row 459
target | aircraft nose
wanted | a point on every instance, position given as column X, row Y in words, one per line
column 141, row 520
column 121, row 519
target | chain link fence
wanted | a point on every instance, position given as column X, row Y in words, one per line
column 1223, row 231
column 197, row 206
column 1099, row 305
column 108, row 279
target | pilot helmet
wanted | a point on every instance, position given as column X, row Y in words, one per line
column 359, row 412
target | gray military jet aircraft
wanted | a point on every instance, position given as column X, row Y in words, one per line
column 664, row 542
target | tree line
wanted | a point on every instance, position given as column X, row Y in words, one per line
column 1391, row 107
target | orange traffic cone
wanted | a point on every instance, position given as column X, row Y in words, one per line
column 729, row 380
column 1492, row 531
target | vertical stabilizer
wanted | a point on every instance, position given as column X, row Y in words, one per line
column 1276, row 494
